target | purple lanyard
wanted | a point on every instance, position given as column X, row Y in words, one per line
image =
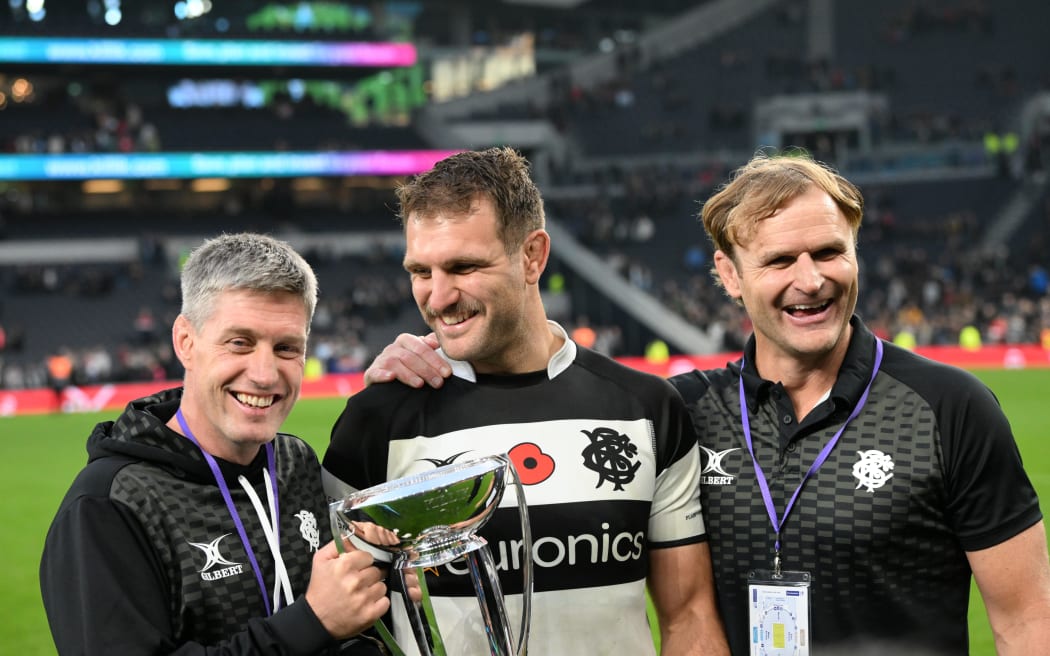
column 221, row 481
column 823, row 456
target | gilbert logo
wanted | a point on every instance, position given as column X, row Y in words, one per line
column 213, row 558
column 713, row 472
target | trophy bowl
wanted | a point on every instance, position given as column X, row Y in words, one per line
column 430, row 519
column 426, row 519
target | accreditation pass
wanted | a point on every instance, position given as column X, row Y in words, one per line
column 779, row 615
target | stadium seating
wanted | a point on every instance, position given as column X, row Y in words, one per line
column 939, row 249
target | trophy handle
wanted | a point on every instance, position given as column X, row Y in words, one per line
column 342, row 531
column 526, row 561
column 485, row 579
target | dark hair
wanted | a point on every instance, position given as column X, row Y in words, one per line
column 499, row 174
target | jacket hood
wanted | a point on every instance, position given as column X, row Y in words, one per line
column 140, row 433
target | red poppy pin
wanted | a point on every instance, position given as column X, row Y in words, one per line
column 533, row 465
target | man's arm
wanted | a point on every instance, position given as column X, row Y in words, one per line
column 410, row 359
column 1014, row 580
column 682, row 589
column 105, row 594
column 100, row 588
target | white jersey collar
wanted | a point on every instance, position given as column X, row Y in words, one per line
column 558, row 363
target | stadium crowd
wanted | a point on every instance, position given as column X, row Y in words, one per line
column 923, row 286
column 371, row 296
column 924, row 281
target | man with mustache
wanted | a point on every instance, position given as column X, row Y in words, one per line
column 607, row 454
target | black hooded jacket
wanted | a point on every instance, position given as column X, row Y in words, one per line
column 144, row 557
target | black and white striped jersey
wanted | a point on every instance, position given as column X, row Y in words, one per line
column 610, row 467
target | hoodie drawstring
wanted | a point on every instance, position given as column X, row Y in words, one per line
column 269, row 524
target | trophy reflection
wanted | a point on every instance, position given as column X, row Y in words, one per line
column 431, row 519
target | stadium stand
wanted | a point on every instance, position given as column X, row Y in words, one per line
column 643, row 118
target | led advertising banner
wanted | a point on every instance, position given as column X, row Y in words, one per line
column 218, row 164
column 204, row 52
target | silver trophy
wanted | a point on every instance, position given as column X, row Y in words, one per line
column 431, row 519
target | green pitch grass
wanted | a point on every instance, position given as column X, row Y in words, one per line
column 40, row 455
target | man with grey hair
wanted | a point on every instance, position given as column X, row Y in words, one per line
column 197, row 526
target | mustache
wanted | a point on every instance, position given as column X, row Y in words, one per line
column 462, row 308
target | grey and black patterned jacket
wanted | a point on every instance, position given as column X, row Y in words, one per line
column 144, row 557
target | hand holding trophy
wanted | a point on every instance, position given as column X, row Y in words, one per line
column 431, row 519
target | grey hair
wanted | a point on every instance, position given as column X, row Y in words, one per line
column 244, row 261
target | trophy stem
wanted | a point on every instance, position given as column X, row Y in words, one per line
column 421, row 616
column 490, row 598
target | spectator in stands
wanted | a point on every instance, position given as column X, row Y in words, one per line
column 60, row 374
column 139, row 557
column 887, row 481
column 145, row 326
column 476, row 251
column 583, row 334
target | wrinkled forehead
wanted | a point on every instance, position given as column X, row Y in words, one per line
column 446, row 205
column 809, row 202
column 447, row 237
